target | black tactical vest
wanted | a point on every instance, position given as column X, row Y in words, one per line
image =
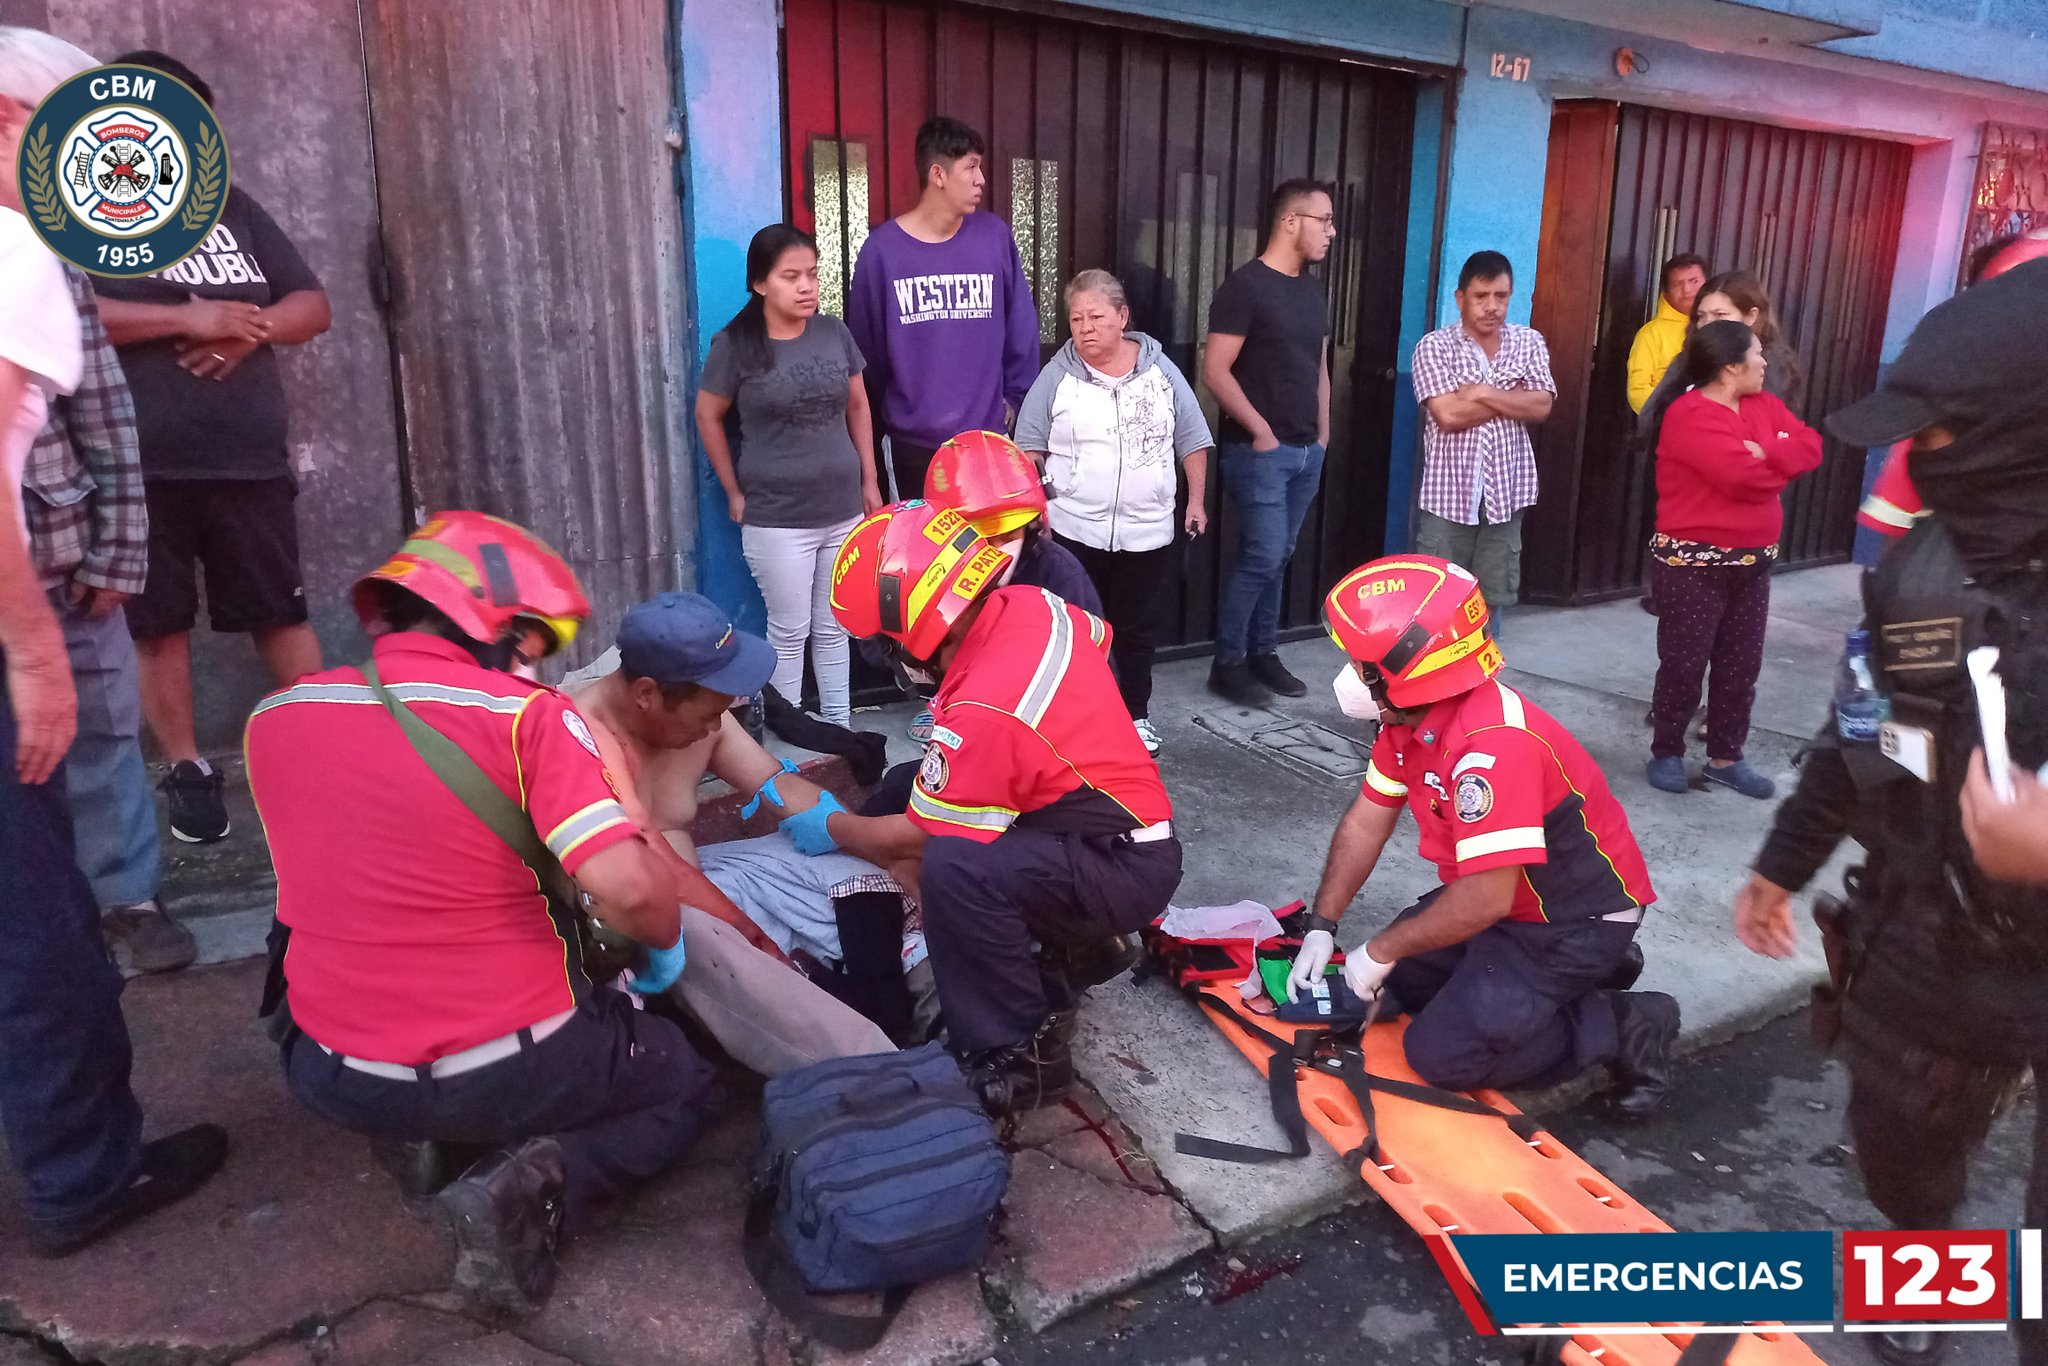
column 1926, row 612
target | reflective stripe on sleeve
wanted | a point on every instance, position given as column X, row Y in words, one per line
column 996, row 818
column 1382, row 784
column 593, row 819
column 1500, row 842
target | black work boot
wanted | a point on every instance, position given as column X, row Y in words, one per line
column 506, row 1215
column 1627, row 970
column 1908, row 1347
column 1234, row 682
column 1029, row 1076
column 1648, row 1023
column 1085, row 963
column 1268, row 670
column 422, row 1168
column 172, row 1168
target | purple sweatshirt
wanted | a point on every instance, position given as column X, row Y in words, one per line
column 948, row 329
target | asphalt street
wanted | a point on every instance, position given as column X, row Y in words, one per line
column 1753, row 1140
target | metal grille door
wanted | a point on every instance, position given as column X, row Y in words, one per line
column 1815, row 215
column 1146, row 154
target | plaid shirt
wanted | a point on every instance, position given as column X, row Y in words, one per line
column 1491, row 467
column 86, row 516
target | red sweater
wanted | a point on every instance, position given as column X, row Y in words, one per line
column 1710, row 488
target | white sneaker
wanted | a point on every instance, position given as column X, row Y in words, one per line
column 921, row 728
column 1143, row 725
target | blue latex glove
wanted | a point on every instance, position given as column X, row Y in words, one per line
column 807, row 829
column 768, row 790
column 663, row 967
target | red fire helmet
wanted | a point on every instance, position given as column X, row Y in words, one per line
column 988, row 480
column 909, row 572
column 1420, row 621
column 484, row 573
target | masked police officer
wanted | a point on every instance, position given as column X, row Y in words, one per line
column 1516, row 969
column 1939, row 993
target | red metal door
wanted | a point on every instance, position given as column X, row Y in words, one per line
column 1147, row 154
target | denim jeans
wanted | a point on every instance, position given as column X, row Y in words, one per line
column 72, row 1125
column 1269, row 493
column 112, row 817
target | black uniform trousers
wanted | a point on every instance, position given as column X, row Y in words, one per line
column 985, row 903
column 71, row 1123
column 1517, row 1004
column 1935, row 1050
column 619, row 1089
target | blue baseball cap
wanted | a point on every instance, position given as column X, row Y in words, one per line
column 686, row 638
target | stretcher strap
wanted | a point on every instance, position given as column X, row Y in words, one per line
column 1283, row 1089
column 1282, row 1086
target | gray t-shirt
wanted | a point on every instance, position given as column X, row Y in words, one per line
column 796, row 461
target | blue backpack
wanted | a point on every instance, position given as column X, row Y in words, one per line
column 875, row 1173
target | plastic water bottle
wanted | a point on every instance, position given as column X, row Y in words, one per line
column 1859, row 707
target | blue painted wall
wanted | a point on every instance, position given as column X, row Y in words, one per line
column 732, row 110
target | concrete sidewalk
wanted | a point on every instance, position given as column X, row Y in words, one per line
column 1255, row 809
column 300, row 1254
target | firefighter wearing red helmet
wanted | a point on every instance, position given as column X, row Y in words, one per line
column 987, row 478
column 437, row 1000
column 1037, row 812
column 1516, row 969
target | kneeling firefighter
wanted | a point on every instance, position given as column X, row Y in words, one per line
column 1938, row 996
column 1516, row 969
column 1037, row 812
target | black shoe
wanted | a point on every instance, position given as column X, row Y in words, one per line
column 506, row 1216
column 192, row 791
column 172, row 1168
column 1648, row 1022
column 1627, row 970
column 144, row 940
column 1084, row 963
column 1908, row 1347
column 1027, row 1077
column 423, row 1168
column 1270, row 671
column 1235, row 683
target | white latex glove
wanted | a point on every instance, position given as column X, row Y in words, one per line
column 1311, row 961
column 1365, row 974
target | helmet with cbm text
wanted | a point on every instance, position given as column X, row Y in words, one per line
column 988, row 480
column 909, row 572
column 1418, row 625
column 484, row 574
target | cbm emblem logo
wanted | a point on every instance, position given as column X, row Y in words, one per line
column 123, row 171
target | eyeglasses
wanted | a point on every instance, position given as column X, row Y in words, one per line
column 1326, row 219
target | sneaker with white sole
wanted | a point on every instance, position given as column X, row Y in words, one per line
column 921, row 728
column 1143, row 725
column 192, row 791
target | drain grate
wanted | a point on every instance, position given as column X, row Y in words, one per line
column 1303, row 746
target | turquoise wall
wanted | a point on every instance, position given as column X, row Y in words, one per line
column 732, row 187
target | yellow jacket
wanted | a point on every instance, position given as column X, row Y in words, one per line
column 1657, row 344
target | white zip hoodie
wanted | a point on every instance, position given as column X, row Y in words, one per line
column 1111, row 446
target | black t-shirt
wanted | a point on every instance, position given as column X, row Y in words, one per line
column 192, row 428
column 1283, row 320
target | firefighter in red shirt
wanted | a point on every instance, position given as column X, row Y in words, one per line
column 1515, row 970
column 1037, row 812
column 438, row 1002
